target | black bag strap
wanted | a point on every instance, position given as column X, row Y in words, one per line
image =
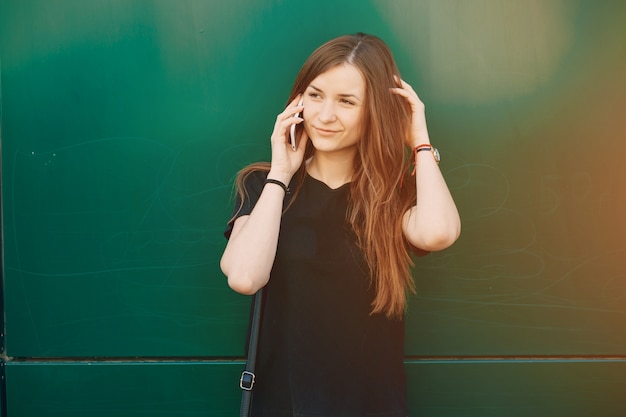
column 246, row 383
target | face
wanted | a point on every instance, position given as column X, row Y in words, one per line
column 333, row 107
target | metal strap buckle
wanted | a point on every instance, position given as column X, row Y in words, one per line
column 247, row 380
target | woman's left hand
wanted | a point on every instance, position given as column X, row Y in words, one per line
column 419, row 131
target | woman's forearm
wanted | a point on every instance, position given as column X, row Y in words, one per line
column 251, row 249
column 433, row 223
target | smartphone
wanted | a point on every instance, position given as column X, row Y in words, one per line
column 294, row 145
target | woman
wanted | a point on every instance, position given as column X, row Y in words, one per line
column 328, row 228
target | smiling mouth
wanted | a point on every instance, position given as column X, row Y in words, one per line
column 326, row 131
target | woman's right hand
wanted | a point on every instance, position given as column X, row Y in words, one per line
column 251, row 249
column 286, row 161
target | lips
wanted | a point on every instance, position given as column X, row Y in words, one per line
column 325, row 132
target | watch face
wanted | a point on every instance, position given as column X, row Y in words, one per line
column 436, row 155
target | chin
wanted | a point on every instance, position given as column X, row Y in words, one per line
column 322, row 143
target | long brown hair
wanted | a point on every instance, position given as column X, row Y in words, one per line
column 380, row 190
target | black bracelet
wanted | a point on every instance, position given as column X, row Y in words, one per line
column 282, row 185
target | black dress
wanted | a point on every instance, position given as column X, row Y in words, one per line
column 321, row 352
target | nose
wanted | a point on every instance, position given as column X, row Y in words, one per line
column 327, row 112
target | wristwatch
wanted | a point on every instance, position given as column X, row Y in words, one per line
column 432, row 149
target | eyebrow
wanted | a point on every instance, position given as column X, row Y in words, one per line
column 340, row 95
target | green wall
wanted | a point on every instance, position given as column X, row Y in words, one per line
column 123, row 124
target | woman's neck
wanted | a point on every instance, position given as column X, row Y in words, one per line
column 334, row 169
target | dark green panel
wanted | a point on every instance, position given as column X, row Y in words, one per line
column 119, row 267
column 540, row 183
column 123, row 389
column 3, row 399
column 111, row 175
column 123, row 126
column 123, row 123
column 517, row 389
column 439, row 389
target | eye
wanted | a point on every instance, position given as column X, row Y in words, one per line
column 348, row 102
column 314, row 94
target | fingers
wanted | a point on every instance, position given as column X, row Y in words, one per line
column 302, row 141
column 403, row 84
column 400, row 91
column 294, row 107
column 405, row 90
column 403, row 87
column 283, row 126
column 287, row 120
column 291, row 114
column 418, row 125
column 284, row 122
column 290, row 111
column 281, row 136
